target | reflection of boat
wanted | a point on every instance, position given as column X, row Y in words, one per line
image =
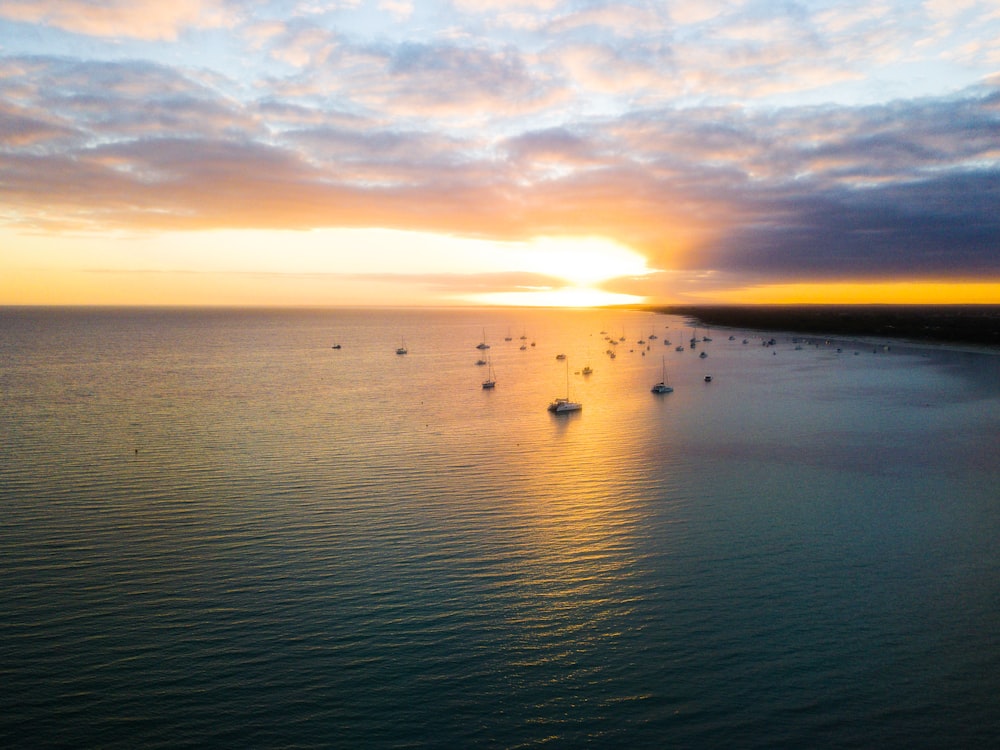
column 491, row 378
column 564, row 405
column 662, row 386
column 402, row 348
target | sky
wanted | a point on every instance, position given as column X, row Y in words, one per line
column 394, row 152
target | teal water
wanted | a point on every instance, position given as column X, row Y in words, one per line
column 218, row 531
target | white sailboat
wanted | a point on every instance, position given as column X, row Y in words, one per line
column 662, row 386
column 564, row 405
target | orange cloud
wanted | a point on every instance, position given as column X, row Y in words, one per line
column 137, row 19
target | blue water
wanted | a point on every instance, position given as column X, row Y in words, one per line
column 218, row 531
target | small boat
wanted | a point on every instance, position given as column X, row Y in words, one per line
column 679, row 349
column 483, row 345
column 560, row 356
column 587, row 370
column 402, row 348
column 703, row 355
column 491, row 378
column 662, row 386
column 564, row 405
column 480, row 362
column 708, row 378
column 335, row 346
column 508, row 336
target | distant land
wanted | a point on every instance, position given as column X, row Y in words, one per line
column 959, row 324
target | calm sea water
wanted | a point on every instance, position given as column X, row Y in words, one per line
column 218, row 531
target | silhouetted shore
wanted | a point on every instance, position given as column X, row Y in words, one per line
column 959, row 324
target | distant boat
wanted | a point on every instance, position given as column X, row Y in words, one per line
column 560, row 356
column 662, row 386
column 507, row 337
column 483, row 345
column 703, row 355
column 679, row 349
column 708, row 378
column 587, row 370
column 491, row 378
column 402, row 348
column 564, row 405
column 335, row 346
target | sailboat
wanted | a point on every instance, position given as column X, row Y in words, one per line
column 564, row 405
column 483, row 345
column 402, row 348
column 491, row 379
column 662, row 386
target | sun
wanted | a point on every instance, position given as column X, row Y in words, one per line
column 581, row 261
column 567, row 296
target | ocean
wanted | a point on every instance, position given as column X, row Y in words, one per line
column 220, row 531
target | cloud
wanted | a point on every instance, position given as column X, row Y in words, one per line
column 401, row 10
column 137, row 19
column 838, row 191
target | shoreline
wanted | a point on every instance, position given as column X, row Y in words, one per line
column 969, row 325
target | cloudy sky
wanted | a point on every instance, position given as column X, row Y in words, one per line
column 519, row 151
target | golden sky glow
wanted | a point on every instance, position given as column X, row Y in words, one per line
column 218, row 152
column 863, row 294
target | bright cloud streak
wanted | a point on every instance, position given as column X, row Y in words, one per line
column 352, row 150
